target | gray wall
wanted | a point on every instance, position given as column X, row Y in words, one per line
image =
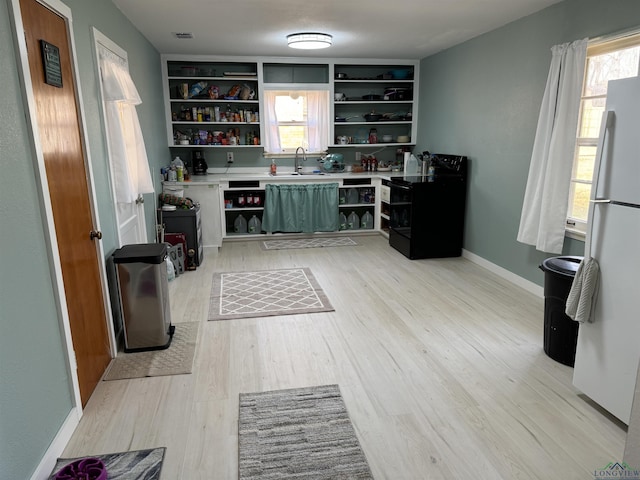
column 482, row 99
column 35, row 392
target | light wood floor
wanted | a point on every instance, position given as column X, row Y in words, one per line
column 440, row 363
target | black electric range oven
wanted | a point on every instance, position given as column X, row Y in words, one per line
column 426, row 214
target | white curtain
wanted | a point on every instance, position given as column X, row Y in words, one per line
column 317, row 120
column 128, row 154
column 272, row 142
column 544, row 210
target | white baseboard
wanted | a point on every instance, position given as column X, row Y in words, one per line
column 57, row 446
column 504, row 273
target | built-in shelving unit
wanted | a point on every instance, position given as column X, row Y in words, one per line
column 211, row 102
column 386, row 89
column 244, row 199
column 359, row 197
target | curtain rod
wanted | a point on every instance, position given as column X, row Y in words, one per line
column 609, row 37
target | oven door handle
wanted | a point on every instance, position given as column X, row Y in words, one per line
column 395, row 185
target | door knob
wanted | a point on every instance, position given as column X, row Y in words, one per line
column 139, row 200
column 93, row 234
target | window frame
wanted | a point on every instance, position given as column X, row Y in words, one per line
column 577, row 227
column 302, row 87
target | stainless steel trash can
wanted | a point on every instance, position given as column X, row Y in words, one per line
column 143, row 290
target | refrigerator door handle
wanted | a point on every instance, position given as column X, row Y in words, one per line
column 608, row 118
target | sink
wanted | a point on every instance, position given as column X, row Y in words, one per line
column 308, row 173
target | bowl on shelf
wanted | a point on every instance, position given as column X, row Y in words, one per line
column 387, row 138
column 400, row 73
column 403, row 139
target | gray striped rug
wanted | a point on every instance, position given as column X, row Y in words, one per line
column 301, row 433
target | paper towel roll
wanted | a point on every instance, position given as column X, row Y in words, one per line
column 407, row 158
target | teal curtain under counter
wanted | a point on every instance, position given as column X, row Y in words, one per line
column 305, row 208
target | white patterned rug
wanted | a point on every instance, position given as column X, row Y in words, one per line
column 266, row 293
column 307, row 243
column 175, row 360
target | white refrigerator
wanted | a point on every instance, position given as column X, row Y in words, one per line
column 608, row 349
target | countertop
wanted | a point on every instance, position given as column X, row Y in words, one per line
column 284, row 176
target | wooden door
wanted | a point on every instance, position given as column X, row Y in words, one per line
column 61, row 138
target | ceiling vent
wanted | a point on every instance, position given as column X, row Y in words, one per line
column 183, row 35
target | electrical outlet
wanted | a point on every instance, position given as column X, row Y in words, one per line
column 229, row 157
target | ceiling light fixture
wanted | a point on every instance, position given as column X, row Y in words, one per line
column 309, row 40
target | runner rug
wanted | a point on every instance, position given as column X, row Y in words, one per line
column 266, row 293
column 175, row 360
column 302, row 433
column 307, row 243
column 135, row 465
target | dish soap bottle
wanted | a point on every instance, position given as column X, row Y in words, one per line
column 274, row 167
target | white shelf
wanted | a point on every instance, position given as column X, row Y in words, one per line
column 389, row 122
column 215, row 146
column 356, row 205
column 373, row 145
column 218, row 79
column 188, row 122
column 210, row 100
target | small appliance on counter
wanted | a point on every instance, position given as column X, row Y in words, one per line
column 199, row 164
column 332, row 162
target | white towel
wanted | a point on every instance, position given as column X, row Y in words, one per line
column 584, row 290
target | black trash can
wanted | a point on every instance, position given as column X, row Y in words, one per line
column 560, row 332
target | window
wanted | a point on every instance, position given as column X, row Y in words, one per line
column 606, row 61
column 296, row 118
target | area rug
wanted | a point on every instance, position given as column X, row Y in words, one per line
column 302, row 433
column 266, row 293
column 135, row 465
column 307, row 243
column 175, row 360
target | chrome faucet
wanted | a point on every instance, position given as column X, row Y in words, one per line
column 296, row 163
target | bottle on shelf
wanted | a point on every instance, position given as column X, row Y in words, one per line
column 353, row 221
column 367, row 220
column 274, row 167
column 240, row 224
column 255, row 225
column 178, row 165
column 343, row 221
column 352, row 196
